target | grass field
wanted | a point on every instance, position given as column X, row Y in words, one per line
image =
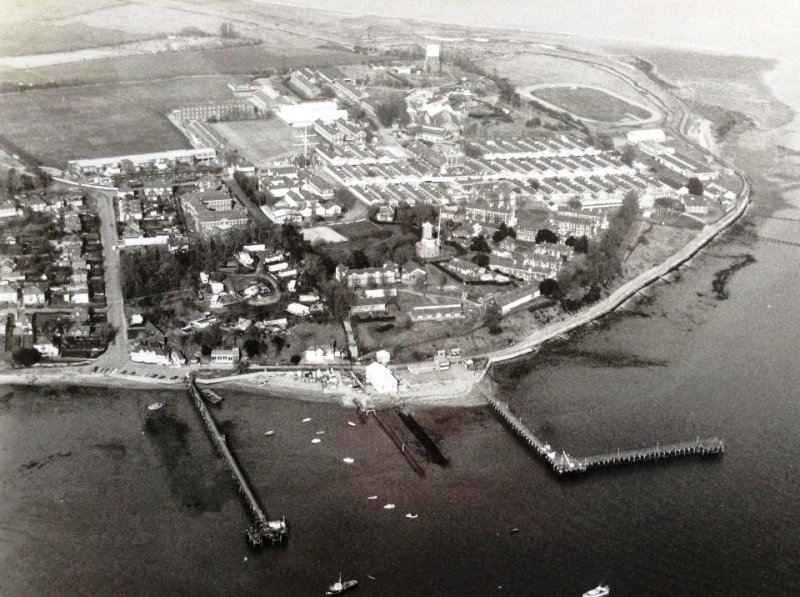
column 586, row 102
column 56, row 125
column 535, row 69
column 241, row 60
column 261, row 141
column 17, row 39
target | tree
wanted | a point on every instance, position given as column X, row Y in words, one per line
column 481, row 260
column 278, row 342
column 501, row 233
column 26, row 356
column 12, row 182
column 579, row 245
column 630, row 206
column 479, row 244
column 545, row 235
column 629, row 154
column 575, row 203
column 252, row 347
column 295, row 359
column 548, row 287
column 227, row 30
column 493, row 315
column 391, row 110
column 695, row 186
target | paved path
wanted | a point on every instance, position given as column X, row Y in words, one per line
column 117, row 353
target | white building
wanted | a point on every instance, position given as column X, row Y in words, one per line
column 381, row 378
column 305, row 113
column 298, row 309
column 656, row 135
column 8, row 294
column 221, row 356
column 157, row 357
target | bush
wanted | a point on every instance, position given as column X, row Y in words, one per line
column 295, row 359
column 26, row 356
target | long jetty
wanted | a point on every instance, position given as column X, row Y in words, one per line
column 262, row 529
column 562, row 463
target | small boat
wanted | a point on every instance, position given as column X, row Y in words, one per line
column 412, row 516
column 320, row 433
column 598, row 591
column 340, row 587
column 155, row 406
column 370, row 577
column 514, row 530
column 373, row 497
column 348, row 460
column 389, row 507
column 316, row 440
column 351, row 423
column 306, row 420
column 270, row 432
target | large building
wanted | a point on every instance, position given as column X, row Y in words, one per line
column 381, row 378
column 303, row 83
column 228, row 109
column 304, row 114
column 213, row 210
column 160, row 160
column 433, row 62
column 370, row 276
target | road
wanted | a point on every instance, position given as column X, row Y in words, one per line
column 117, row 353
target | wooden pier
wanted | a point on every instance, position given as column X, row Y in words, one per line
column 777, row 241
column 562, row 463
column 262, row 529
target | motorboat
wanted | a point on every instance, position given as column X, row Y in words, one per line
column 412, row 516
column 598, row 591
column 340, row 587
column 155, row 406
column 270, row 432
column 389, row 507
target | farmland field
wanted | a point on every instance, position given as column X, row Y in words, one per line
column 587, row 102
column 261, row 141
column 239, row 60
column 56, row 125
column 17, row 39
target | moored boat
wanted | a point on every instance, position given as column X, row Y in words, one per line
column 340, row 587
column 598, row 591
column 155, row 406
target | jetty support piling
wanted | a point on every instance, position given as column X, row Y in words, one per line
column 262, row 529
column 562, row 463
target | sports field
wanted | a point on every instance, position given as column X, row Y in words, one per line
column 262, row 141
column 57, row 125
column 591, row 103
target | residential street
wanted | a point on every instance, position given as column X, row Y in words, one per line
column 117, row 353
